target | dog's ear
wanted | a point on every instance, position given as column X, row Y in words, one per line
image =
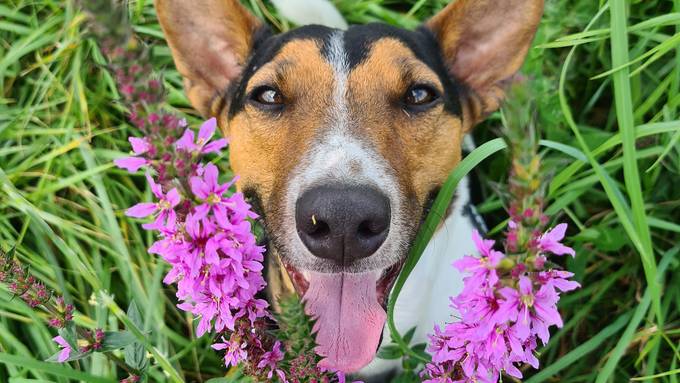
column 484, row 43
column 210, row 42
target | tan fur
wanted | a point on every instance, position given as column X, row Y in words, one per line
column 265, row 148
column 424, row 147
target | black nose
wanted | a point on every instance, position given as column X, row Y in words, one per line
column 342, row 223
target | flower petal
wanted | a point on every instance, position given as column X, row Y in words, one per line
column 210, row 176
column 215, row 146
column 186, row 142
column 525, row 286
column 141, row 210
column 173, row 197
column 131, row 164
column 155, row 188
column 61, row 341
column 220, row 346
column 139, row 145
column 64, row 355
column 207, row 129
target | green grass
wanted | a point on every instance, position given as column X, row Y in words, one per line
column 607, row 80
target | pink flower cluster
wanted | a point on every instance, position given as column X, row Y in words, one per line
column 204, row 234
column 507, row 304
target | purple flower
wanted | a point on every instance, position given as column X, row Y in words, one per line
column 550, row 241
column 210, row 191
column 502, row 313
column 544, row 313
column 533, row 313
column 201, row 146
column 206, row 238
column 131, row 164
column 139, row 145
column 558, row 279
column 515, row 307
column 483, row 269
column 66, row 349
column 480, row 307
column 270, row 360
column 235, row 352
column 165, row 205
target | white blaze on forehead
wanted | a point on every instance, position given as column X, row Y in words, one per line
column 339, row 112
column 338, row 155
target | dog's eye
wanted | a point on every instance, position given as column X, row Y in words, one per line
column 266, row 95
column 420, row 96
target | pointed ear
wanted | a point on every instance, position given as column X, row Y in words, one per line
column 484, row 43
column 210, row 42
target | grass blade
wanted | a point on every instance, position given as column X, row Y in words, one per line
column 624, row 114
column 52, row 368
column 627, row 337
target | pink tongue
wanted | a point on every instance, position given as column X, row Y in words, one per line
column 349, row 319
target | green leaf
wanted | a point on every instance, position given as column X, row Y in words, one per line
column 609, row 238
column 635, row 224
column 114, row 340
column 10, row 254
column 409, row 335
column 627, row 338
column 659, row 375
column 135, row 354
column 410, row 363
column 134, row 315
column 69, row 335
column 407, row 377
column 163, row 362
column 390, row 351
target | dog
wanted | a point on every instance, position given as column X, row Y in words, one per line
column 341, row 139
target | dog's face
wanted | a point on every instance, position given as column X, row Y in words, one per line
column 343, row 137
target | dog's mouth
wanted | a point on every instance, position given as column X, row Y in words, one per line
column 349, row 309
column 384, row 283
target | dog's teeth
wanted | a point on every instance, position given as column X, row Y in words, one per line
column 306, row 275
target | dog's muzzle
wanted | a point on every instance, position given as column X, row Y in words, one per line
column 342, row 223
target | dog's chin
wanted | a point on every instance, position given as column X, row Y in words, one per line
column 350, row 312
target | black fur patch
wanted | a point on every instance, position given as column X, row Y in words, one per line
column 358, row 40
